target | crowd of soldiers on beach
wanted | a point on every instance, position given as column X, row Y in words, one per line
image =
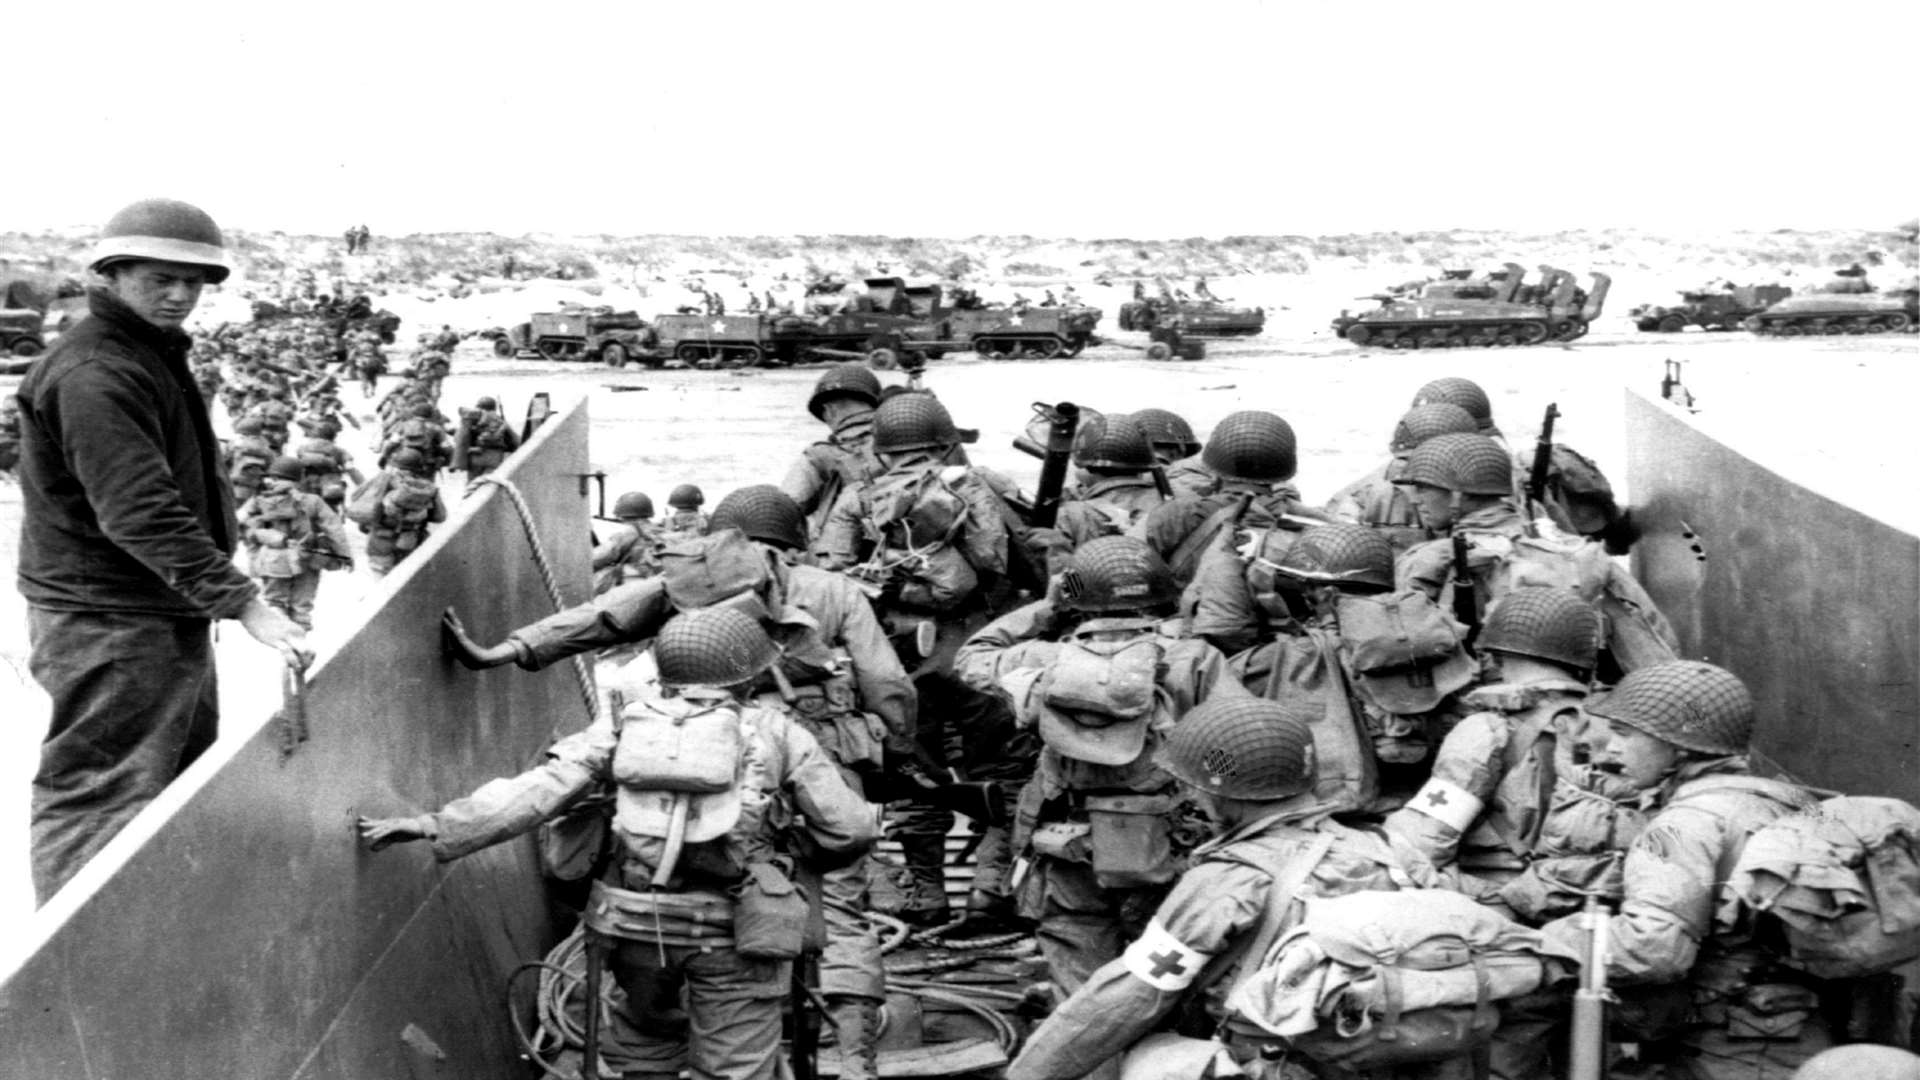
column 1208, row 736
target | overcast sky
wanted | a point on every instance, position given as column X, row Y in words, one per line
column 1177, row 118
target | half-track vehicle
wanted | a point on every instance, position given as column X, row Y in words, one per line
column 614, row 338
column 1203, row 315
column 1500, row 309
column 1038, row 333
column 757, row 338
column 1715, row 309
column 896, row 316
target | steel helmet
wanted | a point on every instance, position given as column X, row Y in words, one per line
column 247, row 425
column 1453, row 390
column 1423, row 422
column 1340, row 554
column 851, row 380
column 286, row 468
column 1689, row 703
column 686, row 497
column 714, row 647
column 1545, row 623
column 913, row 421
column 1241, row 748
column 1112, row 441
column 763, row 512
column 634, row 504
column 424, row 411
column 1252, row 445
column 488, row 404
column 1168, row 431
column 1116, row 573
column 167, row 230
column 1468, row 464
column 409, row 459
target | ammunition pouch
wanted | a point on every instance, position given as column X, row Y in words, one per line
column 769, row 914
column 830, row 712
column 1068, row 841
column 1131, row 840
column 693, row 919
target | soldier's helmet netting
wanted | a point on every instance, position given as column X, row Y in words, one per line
column 713, row 647
column 1545, row 623
column 913, row 421
column 1241, row 748
column 1689, row 703
column 1340, row 554
column 1423, row 422
column 763, row 512
column 1168, row 430
column 1116, row 573
column 1252, row 445
column 1453, row 390
column 1112, row 441
column 1468, row 464
column 853, row 380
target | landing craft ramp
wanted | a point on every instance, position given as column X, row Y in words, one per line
column 1815, row 604
column 239, row 929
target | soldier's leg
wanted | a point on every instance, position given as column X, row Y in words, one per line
column 921, row 829
column 1079, row 923
column 733, row 1015
column 654, row 1044
column 277, row 593
column 135, row 701
column 301, row 591
column 851, row 976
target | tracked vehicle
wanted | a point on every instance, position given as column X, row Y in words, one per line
column 1194, row 318
column 1714, row 309
column 1840, row 313
column 1500, row 309
column 599, row 333
column 1039, row 333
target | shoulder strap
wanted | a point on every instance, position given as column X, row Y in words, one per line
column 1275, row 920
column 1185, row 559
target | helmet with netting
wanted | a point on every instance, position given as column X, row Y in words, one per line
column 1689, row 703
column 1252, row 445
column 851, row 380
column 713, row 647
column 1241, row 748
column 1545, row 623
column 1116, row 573
column 1468, row 464
column 1340, row 554
column 409, row 459
column 1168, row 431
column 763, row 512
column 686, row 497
column 634, row 504
column 167, row 230
column 1423, row 422
column 1112, row 441
column 913, row 421
column 286, row 468
column 1453, row 390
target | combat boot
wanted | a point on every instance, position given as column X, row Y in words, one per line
column 990, row 913
column 856, row 1028
column 925, row 891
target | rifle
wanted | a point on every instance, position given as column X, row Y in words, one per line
column 1587, row 1053
column 805, row 986
column 1062, row 421
column 1542, row 457
column 1466, row 604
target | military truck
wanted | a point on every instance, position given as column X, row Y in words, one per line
column 615, row 338
column 1723, row 308
column 22, row 320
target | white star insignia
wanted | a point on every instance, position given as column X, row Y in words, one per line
column 718, row 325
column 1017, row 320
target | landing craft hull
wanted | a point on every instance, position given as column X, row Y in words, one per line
column 1814, row 604
column 238, row 929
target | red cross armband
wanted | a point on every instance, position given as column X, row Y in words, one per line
column 1163, row 961
column 1449, row 804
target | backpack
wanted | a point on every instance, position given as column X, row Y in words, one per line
column 1839, row 884
column 491, row 432
column 914, row 510
column 706, row 570
column 1405, row 652
column 363, row 506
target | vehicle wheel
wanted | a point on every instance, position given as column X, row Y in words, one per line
column 1159, row 350
column 935, row 354
column 1480, row 339
column 687, row 352
column 989, row 350
column 1072, row 349
column 1672, row 324
column 502, row 348
column 1832, row 329
column 1532, row 333
column 1359, row 335
column 883, row 359
column 613, row 354
column 1857, row 326
column 1898, row 322
column 749, row 356
column 1045, row 349
column 25, row 346
column 1786, row 330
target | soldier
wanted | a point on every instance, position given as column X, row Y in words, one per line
column 489, row 439
column 1679, row 734
column 1117, row 488
column 1252, row 455
column 841, row 679
column 632, row 550
column 686, row 521
column 275, row 417
column 844, row 398
column 1462, row 485
column 1250, row 764
column 291, row 537
column 1375, row 500
column 743, row 842
column 410, row 504
column 248, row 456
column 1177, row 451
column 421, row 432
column 327, row 464
column 1100, row 672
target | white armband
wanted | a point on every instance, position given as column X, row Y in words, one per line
column 1161, row 960
column 1448, row 804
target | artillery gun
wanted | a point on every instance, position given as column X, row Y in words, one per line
column 1847, row 306
column 1500, row 309
column 1715, row 309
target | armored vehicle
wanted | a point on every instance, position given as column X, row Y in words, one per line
column 1716, row 309
column 749, row 340
column 20, row 331
column 1499, row 309
column 1841, row 313
column 1203, row 315
column 1039, row 333
column 894, row 315
column 581, row 333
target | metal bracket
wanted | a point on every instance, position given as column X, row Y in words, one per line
column 599, row 478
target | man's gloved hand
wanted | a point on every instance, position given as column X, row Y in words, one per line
column 471, row 654
column 382, row 832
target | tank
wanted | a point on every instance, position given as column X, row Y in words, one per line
column 1841, row 313
column 1498, row 309
column 1724, row 308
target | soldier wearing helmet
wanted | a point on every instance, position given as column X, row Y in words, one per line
column 838, row 674
column 631, row 550
column 129, row 531
column 421, row 431
column 844, row 398
column 328, row 465
column 1250, row 765
column 736, row 841
column 1680, row 734
column 684, row 520
column 1461, row 487
column 485, row 439
column 1253, row 455
column 401, row 515
column 291, row 536
column 1116, row 489
column 1099, row 670
column 1375, row 500
column 1177, row 451
column 248, row 455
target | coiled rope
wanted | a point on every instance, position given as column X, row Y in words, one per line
column 589, row 696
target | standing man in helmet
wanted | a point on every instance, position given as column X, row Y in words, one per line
column 1098, row 669
column 787, row 805
column 844, row 398
column 1249, row 763
column 632, row 550
column 126, row 551
column 1375, row 500
column 1117, row 488
column 487, row 439
column 686, row 521
column 404, row 513
column 291, row 536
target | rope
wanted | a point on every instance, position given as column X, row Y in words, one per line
column 584, row 674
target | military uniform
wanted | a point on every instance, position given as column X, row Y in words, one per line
column 400, row 523
column 1376, row 502
column 1108, row 506
column 291, row 537
column 489, row 440
column 631, row 552
column 828, row 468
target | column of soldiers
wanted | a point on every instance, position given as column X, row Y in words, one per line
column 1182, row 717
